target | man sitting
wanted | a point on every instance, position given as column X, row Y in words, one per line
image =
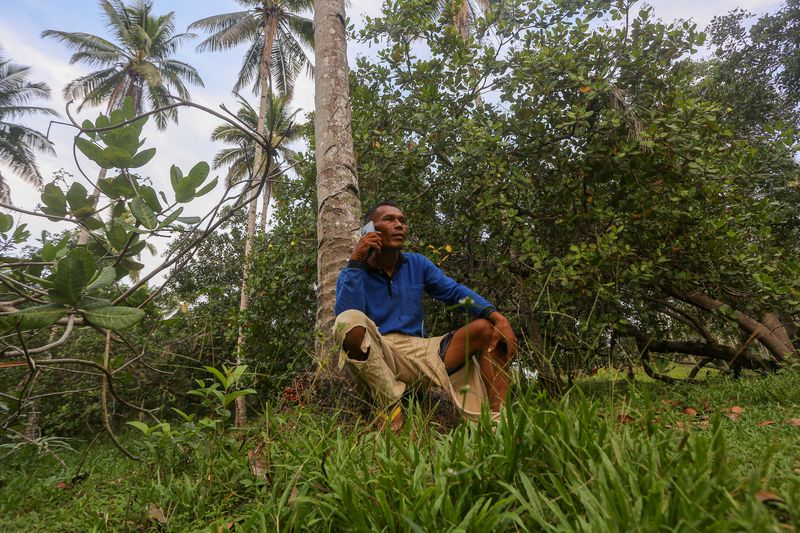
column 380, row 326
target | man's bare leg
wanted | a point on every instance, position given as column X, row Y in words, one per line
column 352, row 343
column 475, row 338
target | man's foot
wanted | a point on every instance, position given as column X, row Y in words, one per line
column 391, row 419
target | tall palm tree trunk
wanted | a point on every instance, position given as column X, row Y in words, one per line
column 338, row 205
column 240, row 417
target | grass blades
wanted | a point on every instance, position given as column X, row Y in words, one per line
column 580, row 464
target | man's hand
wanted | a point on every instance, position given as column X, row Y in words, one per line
column 370, row 241
column 502, row 332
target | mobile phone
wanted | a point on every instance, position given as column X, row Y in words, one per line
column 367, row 228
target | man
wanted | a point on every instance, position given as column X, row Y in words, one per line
column 380, row 326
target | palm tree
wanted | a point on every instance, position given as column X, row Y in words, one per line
column 138, row 65
column 18, row 142
column 240, row 158
column 275, row 33
column 338, row 205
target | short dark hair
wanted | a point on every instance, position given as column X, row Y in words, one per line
column 371, row 212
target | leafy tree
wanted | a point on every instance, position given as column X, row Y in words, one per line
column 276, row 33
column 18, row 142
column 596, row 191
column 139, row 65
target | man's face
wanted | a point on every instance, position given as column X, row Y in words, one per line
column 392, row 225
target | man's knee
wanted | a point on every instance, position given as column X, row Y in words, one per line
column 481, row 329
column 352, row 342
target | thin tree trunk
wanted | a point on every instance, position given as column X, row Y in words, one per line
column 240, row 416
column 338, row 205
column 265, row 198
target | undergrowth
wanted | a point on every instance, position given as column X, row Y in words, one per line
column 646, row 458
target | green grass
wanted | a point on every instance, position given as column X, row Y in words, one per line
column 609, row 457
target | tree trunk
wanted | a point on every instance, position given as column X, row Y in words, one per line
column 338, row 205
column 265, row 198
column 767, row 338
column 240, row 416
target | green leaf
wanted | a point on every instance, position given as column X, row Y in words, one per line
column 219, row 375
column 91, row 150
column 6, row 222
column 114, row 318
column 105, row 278
column 149, row 195
column 88, row 125
column 142, row 158
column 198, row 174
column 108, row 187
column 141, row 426
column 171, row 218
column 90, row 302
column 77, row 197
column 38, row 317
column 93, row 223
column 208, row 188
column 143, row 213
column 135, row 248
column 236, row 394
column 115, row 158
column 72, row 274
column 189, row 220
column 116, row 235
column 175, row 177
column 53, row 197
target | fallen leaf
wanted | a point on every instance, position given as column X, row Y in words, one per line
column 767, row 496
column 624, row 418
column 794, row 422
column 585, row 89
column 62, row 485
column 736, row 409
column 155, row 513
column 765, row 423
column 295, row 493
column 732, row 416
column 673, row 403
column 689, row 411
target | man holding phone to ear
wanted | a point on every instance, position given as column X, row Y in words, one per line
column 380, row 325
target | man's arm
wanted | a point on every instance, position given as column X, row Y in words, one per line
column 451, row 292
column 502, row 332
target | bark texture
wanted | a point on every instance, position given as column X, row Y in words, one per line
column 338, row 206
column 772, row 342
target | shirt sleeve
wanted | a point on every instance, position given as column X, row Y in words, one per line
column 350, row 289
column 450, row 292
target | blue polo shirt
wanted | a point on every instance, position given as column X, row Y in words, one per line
column 395, row 304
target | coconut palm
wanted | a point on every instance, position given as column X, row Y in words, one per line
column 137, row 64
column 17, row 142
column 239, row 159
column 464, row 12
column 275, row 33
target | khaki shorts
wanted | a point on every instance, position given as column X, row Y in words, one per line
column 397, row 361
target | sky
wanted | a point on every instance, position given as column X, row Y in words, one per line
column 22, row 23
